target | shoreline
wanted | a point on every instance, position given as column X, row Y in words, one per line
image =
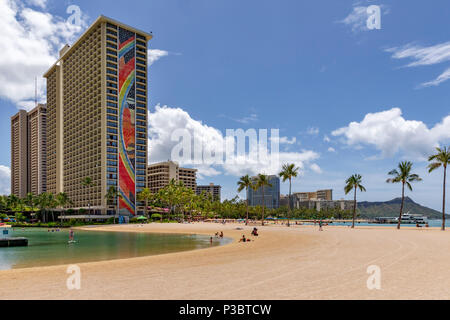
column 282, row 263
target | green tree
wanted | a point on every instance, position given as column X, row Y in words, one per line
column 262, row 181
column 404, row 176
column 354, row 183
column 245, row 182
column 111, row 196
column 288, row 172
column 145, row 195
column 440, row 159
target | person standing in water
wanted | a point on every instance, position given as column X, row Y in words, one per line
column 71, row 234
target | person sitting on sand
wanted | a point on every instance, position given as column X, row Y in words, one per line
column 255, row 232
column 243, row 239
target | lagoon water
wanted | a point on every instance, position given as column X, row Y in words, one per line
column 52, row 248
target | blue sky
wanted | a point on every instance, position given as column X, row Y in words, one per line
column 308, row 68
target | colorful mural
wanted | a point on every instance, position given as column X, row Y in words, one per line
column 127, row 127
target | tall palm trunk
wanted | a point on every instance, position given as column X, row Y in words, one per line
column 290, row 200
column 443, row 199
column 354, row 209
column 246, row 204
column 401, row 207
column 146, row 211
column 263, row 206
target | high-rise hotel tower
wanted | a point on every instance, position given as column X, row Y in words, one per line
column 97, row 118
column 28, row 152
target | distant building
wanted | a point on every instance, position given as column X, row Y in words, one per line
column 271, row 194
column 317, row 195
column 160, row 174
column 319, row 205
column 214, row 190
column 284, row 200
column 28, row 151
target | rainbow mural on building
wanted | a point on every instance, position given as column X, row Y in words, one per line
column 127, row 124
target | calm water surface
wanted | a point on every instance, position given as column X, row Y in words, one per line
column 52, row 248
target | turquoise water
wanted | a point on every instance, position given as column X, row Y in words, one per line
column 52, row 248
column 431, row 223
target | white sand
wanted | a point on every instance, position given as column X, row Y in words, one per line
column 283, row 263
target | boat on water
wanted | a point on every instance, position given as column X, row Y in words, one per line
column 407, row 218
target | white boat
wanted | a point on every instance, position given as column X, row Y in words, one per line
column 413, row 219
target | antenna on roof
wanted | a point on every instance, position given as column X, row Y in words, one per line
column 35, row 91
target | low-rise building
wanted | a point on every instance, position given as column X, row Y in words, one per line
column 214, row 190
column 160, row 174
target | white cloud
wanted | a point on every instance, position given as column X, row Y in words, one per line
column 164, row 121
column 155, row 54
column 5, row 180
column 425, row 56
column 37, row 3
column 443, row 77
column 331, row 149
column 313, row 131
column 286, row 140
column 29, row 46
column 326, row 138
column 422, row 56
column 390, row 133
column 314, row 167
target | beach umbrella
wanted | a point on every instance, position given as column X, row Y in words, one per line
column 141, row 218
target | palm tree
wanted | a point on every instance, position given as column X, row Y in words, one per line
column 87, row 183
column 354, row 183
column 403, row 175
column 111, row 195
column 262, row 181
column 12, row 201
column 288, row 172
column 145, row 195
column 441, row 158
column 29, row 200
column 245, row 182
column 63, row 200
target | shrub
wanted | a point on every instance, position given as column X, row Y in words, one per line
column 156, row 216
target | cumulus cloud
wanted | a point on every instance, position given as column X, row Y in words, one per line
column 31, row 39
column 155, row 54
column 390, row 133
column 313, row 131
column 286, row 140
column 207, row 147
column 315, row 167
column 331, row 149
column 5, row 180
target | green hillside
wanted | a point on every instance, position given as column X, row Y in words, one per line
column 392, row 209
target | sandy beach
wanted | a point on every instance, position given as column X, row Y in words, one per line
column 282, row 263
